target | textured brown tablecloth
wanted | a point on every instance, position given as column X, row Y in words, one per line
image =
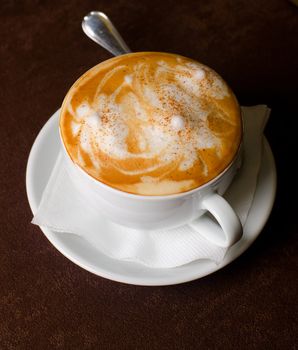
column 47, row 302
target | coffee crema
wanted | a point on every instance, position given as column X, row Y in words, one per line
column 151, row 123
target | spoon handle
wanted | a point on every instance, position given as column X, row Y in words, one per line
column 100, row 29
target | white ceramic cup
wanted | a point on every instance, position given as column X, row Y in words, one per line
column 167, row 211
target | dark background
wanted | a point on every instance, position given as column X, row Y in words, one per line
column 47, row 302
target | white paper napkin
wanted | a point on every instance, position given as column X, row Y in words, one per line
column 63, row 209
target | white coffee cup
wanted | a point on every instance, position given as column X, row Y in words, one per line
column 166, row 211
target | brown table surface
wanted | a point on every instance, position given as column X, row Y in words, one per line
column 47, row 302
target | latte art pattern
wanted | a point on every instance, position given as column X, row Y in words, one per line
column 151, row 123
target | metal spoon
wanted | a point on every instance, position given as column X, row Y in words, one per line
column 100, row 29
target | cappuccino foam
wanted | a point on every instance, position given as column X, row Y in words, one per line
column 151, row 123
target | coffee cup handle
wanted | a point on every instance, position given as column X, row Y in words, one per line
column 228, row 229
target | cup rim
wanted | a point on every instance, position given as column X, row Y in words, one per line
column 153, row 197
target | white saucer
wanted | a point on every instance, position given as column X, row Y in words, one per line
column 40, row 163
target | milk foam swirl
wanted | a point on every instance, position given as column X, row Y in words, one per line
column 148, row 122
